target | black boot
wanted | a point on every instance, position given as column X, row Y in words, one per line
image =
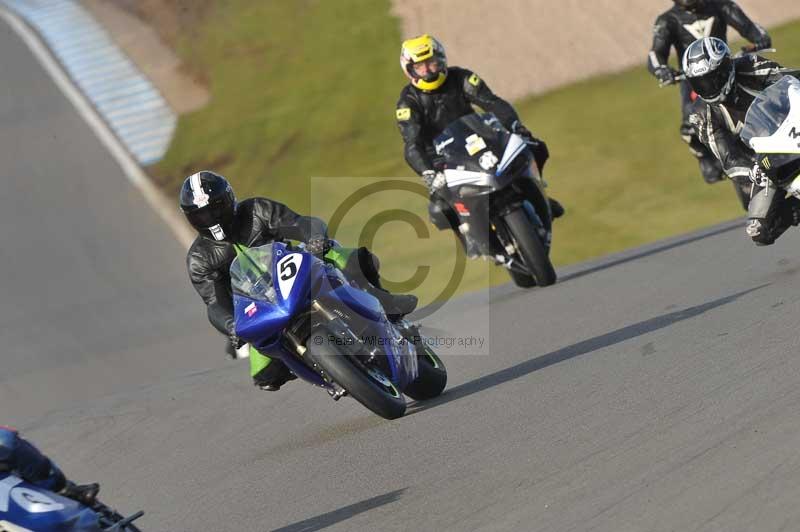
column 362, row 267
column 275, row 375
column 556, row 209
column 395, row 305
column 711, row 169
column 84, row 494
column 276, row 385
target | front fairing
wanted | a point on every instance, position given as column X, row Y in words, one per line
column 772, row 129
column 27, row 506
column 471, row 139
column 479, row 156
column 380, row 333
column 270, row 285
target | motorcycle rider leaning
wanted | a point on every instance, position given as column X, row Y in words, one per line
column 22, row 458
column 210, row 206
column 435, row 96
column 680, row 26
column 729, row 86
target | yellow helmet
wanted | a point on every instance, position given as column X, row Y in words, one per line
column 424, row 62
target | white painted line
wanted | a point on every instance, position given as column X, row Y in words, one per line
column 71, row 36
column 152, row 156
column 159, row 133
column 165, row 208
column 102, row 82
column 132, row 129
column 145, row 144
column 130, row 93
column 72, row 48
column 97, row 71
column 115, row 112
column 58, row 14
column 123, row 85
column 109, row 62
column 99, row 56
column 153, row 115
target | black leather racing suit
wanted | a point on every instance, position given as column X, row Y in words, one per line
column 719, row 125
column 428, row 113
column 678, row 28
column 258, row 222
column 422, row 116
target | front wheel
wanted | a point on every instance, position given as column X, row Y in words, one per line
column 432, row 376
column 530, row 249
column 368, row 385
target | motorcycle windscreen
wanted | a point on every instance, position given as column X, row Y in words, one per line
column 474, row 143
column 256, row 311
column 772, row 124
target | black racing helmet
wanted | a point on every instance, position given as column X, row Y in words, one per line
column 709, row 69
column 688, row 5
column 209, row 204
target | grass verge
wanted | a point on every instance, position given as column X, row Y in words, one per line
column 304, row 93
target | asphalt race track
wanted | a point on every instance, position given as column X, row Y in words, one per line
column 655, row 390
column 94, row 297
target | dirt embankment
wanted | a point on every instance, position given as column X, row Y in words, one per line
column 147, row 31
column 520, row 47
column 525, row 47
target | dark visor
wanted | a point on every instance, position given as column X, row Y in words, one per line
column 710, row 85
column 207, row 216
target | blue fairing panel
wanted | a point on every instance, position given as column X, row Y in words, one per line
column 30, row 507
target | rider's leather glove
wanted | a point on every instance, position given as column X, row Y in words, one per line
column 518, row 129
column 665, row 75
column 698, row 122
column 758, row 177
column 433, row 180
column 764, row 42
column 319, row 246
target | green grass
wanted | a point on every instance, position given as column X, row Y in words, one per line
column 304, row 90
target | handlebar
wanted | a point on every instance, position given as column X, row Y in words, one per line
column 750, row 50
column 676, row 78
column 746, row 50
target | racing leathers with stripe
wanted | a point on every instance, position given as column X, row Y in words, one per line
column 678, row 28
column 719, row 126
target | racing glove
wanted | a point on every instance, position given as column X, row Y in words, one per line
column 758, row 177
column 764, row 42
column 319, row 246
column 698, row 122
column 433, row 180
column 518, row 129
column 665, row 75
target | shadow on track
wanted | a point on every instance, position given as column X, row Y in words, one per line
column 575, row 350
column 342, row 514
column 655, row 249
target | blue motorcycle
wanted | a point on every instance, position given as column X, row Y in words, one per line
column 300, row 309
column 26, row 508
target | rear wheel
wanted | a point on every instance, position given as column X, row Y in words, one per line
column 366, row 383
column 530, row 249
column 432, row 375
